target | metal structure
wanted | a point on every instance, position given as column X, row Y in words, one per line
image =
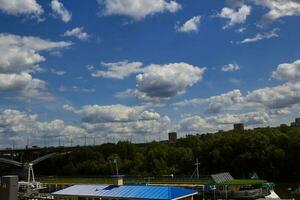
column 196, row 172
column 222, row 177
column 31, row 186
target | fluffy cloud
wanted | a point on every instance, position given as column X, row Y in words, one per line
column 118, row 70
column 261, row 36
column 273, row 101
column 192, row 25
column 288, row 71
column 120, row 121
column 279, row 8
column 17, row 123
column 216, row 103
column 194, row 124
column 230, row 67
column 16, row 7
column 221, row 121
column 138, row 9
column 112, row 113
column 251, row 118
column 59, row 9
column 235, row 16
column 281, row 96
column 78, row 33
column 165, row 81
column 19, row 57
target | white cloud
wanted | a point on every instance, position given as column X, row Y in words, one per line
column 261, row 36
column 60, row 10
column 138, row 9
column 230, row 67
column 288, row 71
column 16, row 7
column 19, row 57
column 216, row 104
column 279, row 8
column 165, row 81
column 235, row 16
column 251, row 118
column 119, row 120
column 14, row 123
column 192, row 25
column 112, row 113
column 281, row 96
column 118, row 70
column 78, row 33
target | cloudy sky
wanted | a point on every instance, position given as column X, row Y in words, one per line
column 137, row 69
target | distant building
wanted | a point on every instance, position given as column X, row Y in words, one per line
column 172, row 137
column 238, row 127
column 296, row 123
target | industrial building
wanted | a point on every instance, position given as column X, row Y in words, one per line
column 127, row 192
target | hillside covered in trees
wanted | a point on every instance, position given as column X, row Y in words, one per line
column 273, row 153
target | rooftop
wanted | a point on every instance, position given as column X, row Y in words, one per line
column 127, row 191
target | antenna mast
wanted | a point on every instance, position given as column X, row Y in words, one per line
column 196, row 172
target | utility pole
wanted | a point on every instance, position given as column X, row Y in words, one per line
column 197, row 168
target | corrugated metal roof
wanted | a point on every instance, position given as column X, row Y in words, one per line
column 127, row 191
column 222, row 177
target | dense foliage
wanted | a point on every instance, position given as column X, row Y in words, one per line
column 273, row 153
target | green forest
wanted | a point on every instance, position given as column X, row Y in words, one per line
column 272, row 153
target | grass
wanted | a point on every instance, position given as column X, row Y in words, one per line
column 143, row 181
column 126, row 180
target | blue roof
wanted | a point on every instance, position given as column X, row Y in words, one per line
column 127, row 191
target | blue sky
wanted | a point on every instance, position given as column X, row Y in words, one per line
column 136, row 69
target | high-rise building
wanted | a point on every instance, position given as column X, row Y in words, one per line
column 172, row 137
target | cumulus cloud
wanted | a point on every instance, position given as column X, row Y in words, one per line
column 201, row 124
column 251, row 118
column 192, row 25
column 78, row 33
column 15, row 124
column 59, row 9
column 235, row 16
column 281, row 96
column 215, row 103
column 165, row 81
column 279, row 8
column 261, row 36
column 288, row 71
column 120, row 120
column 117, row 70
column 16, row 7
column 112, row 113
column 230, row 67
column 19, row 57
column 138, row 9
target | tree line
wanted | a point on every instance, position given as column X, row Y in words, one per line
column 272, row 153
